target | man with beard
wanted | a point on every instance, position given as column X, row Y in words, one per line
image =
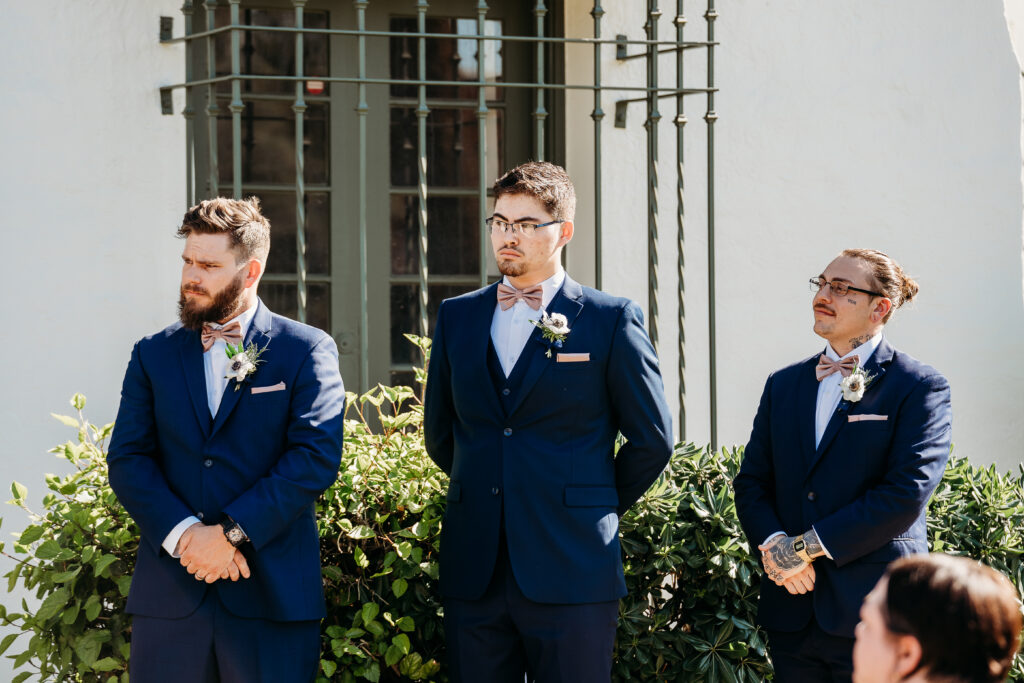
column 230, row 427
column 530, row 382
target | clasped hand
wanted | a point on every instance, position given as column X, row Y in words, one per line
column 784, row 567
column 207, row 555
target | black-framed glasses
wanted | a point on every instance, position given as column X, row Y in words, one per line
column 496, row 225
column 839, row 288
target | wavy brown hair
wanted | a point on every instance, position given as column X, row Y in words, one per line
column 544, row 181
column 239, row 219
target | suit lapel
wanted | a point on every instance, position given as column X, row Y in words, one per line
column 479, row 337
column 258, row 334
column 567, row 302
column 875, row 368
column 807, row 400
column 195, row 377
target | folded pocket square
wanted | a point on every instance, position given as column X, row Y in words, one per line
column 573, row 357
column 868, row 418
column 273, row 387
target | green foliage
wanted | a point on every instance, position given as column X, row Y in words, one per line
column 692, row 583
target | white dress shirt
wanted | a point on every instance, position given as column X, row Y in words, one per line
column 215, row 366
column 511, row 329
column 829, row 394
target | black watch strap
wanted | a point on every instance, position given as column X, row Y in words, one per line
column 233, row 532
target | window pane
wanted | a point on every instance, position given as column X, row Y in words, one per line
column 448, row 59
column 453, row 235
column 452, row 147
column 404, row 378
column 405, row 316
column 268, row 143
column 265, row 53
column 282, row 298
column 279, row 207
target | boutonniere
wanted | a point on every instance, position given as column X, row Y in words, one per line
column 243, row 362
column 554, row 328
column 855, row 384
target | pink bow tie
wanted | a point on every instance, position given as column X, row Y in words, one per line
column 508, row 296
column 826, row 366
column 231, row 334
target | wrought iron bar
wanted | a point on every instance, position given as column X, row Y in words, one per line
column 540, row 114
column 299, row 107
column 481, row 138
column 189, row 112
column 236, row 107
column 463, row 36
column 421, row 124
column 598, row 116
column 680, row 121
column 362, row 109
column 653, row 117
column 710, row 117
column 211, row 99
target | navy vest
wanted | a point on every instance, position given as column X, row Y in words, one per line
column 507, row 387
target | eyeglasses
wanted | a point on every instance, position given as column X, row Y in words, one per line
column 838, row 287
column 498, row 226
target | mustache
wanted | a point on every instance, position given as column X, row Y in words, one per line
column 193, row 290
column 825, row 309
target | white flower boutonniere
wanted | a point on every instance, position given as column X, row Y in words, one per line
column 855, row 385
column 243, row 362
column 555, row 328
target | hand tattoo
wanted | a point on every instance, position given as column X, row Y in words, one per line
column 783, row 556
column 814, row 547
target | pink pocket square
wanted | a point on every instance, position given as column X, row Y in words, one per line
column 573, row 357
column 273, row 387
column 868, row 418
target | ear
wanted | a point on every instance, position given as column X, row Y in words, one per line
column 254, row 273
column 881, row 309
column 566, row 234
column 908, row 655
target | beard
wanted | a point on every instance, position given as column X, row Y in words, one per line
column 511, row 268
column 223, row 306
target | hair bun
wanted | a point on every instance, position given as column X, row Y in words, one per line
column 908, row 289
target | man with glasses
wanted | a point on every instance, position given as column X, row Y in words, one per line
column 846, row 449
column 530, row 381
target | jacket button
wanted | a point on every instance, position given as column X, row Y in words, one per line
column 506, row 391
column 811, row 496
column 199, row 515
column 508, row 431
column 208, row 463
column 495, row 491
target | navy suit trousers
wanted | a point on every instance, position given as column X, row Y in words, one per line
column 211, row 645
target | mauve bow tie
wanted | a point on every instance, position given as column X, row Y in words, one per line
column 231, row 334
column 508, row 296
column 826, row 366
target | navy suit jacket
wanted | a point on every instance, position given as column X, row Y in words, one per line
column 263, row 461
column 549, row 465
column 864, row 488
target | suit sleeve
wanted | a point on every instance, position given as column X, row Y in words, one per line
column 133, row 470
column 754, row 486
column 309, row 463
column 917, row 458
column 438, row 408
column 638, row 400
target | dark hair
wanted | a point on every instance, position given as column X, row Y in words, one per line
column 889, row 277
column 966, row 616
column 239, row 219
column 544, row 181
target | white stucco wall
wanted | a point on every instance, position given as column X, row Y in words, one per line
column 895, row 126
column 92, row 187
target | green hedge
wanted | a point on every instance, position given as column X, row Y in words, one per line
column 692, row 582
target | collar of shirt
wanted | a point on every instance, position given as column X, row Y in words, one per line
column 244, row 319
column 864, row 351
column 550, row 287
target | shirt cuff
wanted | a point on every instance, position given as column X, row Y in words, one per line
column 170, row 543
column 777, row 533
column 821, row 543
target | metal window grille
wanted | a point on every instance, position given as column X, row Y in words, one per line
column 214, row 102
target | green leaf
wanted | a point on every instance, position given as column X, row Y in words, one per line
column 48, row 550
column 399, row 586
column 328, row 667
column 102, row 562
column 370, row 611
column 406, row 624
column 106, row 664
column 18, row 491
column 53, row 604
column 6, row 642
column 392, row 655
column 92, row 607
column 361, row 532
column 78, row 401
column 31, row 534
column 21, row 677
column 68, row 421
column 401, row 641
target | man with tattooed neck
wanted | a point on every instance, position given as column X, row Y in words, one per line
column 846, row 449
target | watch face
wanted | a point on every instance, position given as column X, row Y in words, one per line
column 798, row 546
column 235, row 535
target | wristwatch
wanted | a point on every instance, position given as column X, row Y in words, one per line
column 800, row 548
column 233, row 532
